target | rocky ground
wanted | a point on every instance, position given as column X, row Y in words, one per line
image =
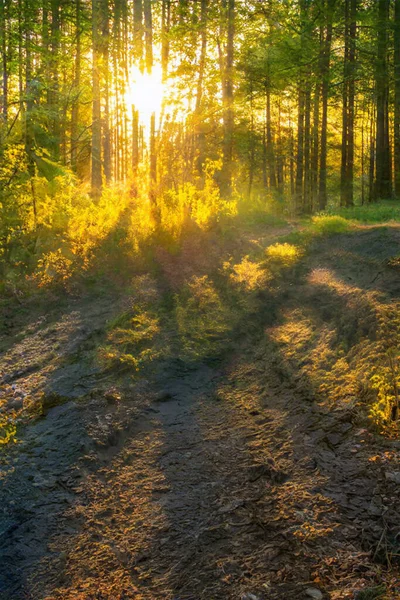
column 229, row 479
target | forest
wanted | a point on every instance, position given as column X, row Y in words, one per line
column 199, row 299
column 190, row 107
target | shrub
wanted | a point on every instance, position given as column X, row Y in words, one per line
column 202, row 318
column 329, row 224
column 248, row 275
column 283, row 255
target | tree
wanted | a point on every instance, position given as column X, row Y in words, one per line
column 383, row 178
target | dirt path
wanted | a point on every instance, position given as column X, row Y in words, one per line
column 216, row 482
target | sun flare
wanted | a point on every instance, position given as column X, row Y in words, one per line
column 146, row 93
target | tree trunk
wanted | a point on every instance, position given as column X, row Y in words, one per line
column 153, row 168
column 307, row 148
column 138, row 30
column 77, row 84
column 227, row 92
column 198, row 125
column 105, row 51
column 383, row 184
column 269, row 139
column 165, row 27
column 96, row 106
column 4, row 62
column 325, row 74
column 148, row 27
column 397, row 97
column 54, row 91
column 135, row 142
column 351, row 105
column 300, row 152
column 315, row 147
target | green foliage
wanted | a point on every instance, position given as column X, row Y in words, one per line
column 203, row 319
column 372, row 593
column 248, row 275
column 283, row 255
column 329, row 225
column 133, row 339
column 8, row 431
column 386, row 383
column 380, row 212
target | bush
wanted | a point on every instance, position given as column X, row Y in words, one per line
column 202, row 319
column 283, row 255
column 248, row 275
column 330, row 224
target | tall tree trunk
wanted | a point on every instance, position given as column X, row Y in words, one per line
column 300, row 151
column 153, row 168
column 269, row 139
column 138, row 30
column 54, row 91
column 105, row 58
column 96, row 107
column 165, row 28
column 307, row 148
column 347, row 165
column 4, row 16
column 198, row 125
column 148, row 26
column 135, row 142
column 77, row 85
column 252, row 147
column 351, row 106
column 301, row 112
column 325, row 74
column 371, row 170
column 227, row 90
column 315, row 147
column 383, row 183
column 397, row 97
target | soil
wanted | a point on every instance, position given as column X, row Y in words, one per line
column 223, row 480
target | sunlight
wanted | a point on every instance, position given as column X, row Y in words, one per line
column 146, row 93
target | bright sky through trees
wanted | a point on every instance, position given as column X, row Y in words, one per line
column 146, row 93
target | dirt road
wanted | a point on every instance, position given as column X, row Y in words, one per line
column 223, row 480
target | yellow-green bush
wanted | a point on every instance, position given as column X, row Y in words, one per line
column 202, row 318
column 386, row 383
column 248, row 275
column 329, row 224
column 283, row 255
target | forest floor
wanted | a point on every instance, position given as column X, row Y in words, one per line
column 232, row 477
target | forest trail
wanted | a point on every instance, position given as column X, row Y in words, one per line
column 222, row 480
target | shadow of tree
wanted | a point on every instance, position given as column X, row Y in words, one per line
column 231, row 476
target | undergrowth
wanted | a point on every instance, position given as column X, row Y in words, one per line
column 379, row 212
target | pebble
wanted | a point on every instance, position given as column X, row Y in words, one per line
column 314, row 593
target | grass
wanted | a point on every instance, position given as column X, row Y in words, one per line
column 379, row 212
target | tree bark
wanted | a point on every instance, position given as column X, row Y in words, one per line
column 4, row 58
column 397, row 97
column 325, row 74
column 383, row 183
column 148, row 27
column 77, row 85
column 269, row 139
column 96, row 105
column 165, row 28
column 227, row 92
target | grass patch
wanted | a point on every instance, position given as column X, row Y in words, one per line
column 380, row 212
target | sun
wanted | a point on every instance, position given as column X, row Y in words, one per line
column 146, row 93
